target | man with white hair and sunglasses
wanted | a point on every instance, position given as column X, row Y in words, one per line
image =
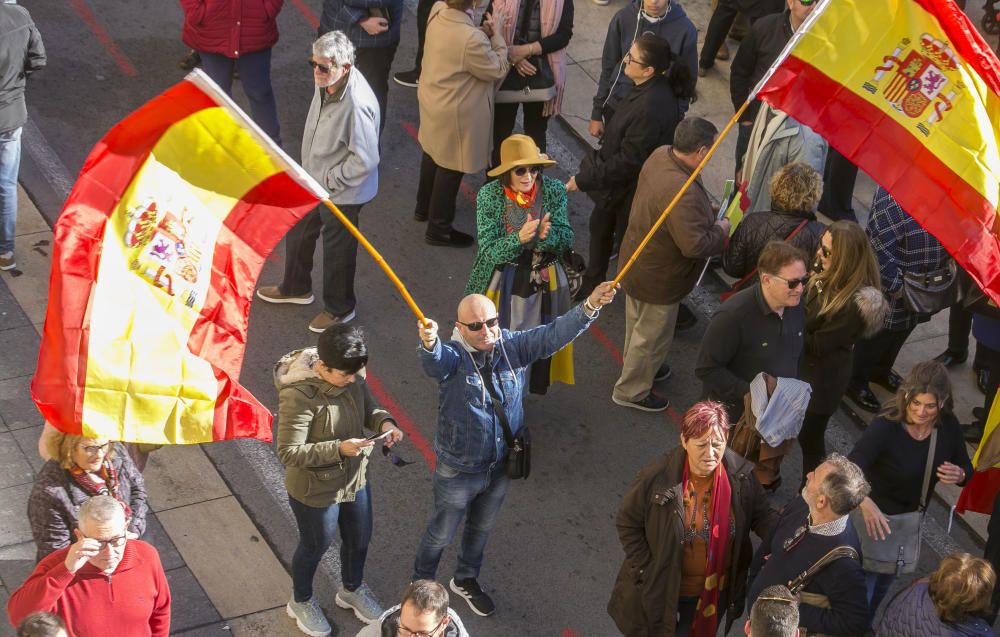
column 340, row 150
column 102, row 584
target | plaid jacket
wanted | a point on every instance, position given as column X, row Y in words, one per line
column 901, row 245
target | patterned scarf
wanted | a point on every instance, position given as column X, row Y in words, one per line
column 550, row 13
column 522, row 199
column 706, row 616
column 110, row 487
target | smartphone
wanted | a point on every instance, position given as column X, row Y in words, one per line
column 380, row 436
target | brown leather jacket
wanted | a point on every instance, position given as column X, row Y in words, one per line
column 651, row 525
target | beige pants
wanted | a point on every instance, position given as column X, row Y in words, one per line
column 649, row 332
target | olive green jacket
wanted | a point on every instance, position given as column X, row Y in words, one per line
column 313, row 417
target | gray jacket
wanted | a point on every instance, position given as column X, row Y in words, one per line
column 340, row 142
column 21, row 53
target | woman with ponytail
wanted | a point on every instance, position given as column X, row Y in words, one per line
column 643, row 120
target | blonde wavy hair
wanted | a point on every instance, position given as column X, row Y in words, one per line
column 60, row 446
column 797, row 187
column 852, row 267
column 962, row 586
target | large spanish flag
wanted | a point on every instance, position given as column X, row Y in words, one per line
column 910, row 92
column 156, row 255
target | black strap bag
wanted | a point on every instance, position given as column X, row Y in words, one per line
column 518, row 465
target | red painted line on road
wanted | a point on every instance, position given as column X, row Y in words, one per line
column 404, row 421
column 569, row 632
column 306, row 13
column 109, row 44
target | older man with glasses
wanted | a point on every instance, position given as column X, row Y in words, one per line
column 480, row 371
column 340, row 150
column 104, row 583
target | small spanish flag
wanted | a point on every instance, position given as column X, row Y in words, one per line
column 156, row 255
column 909, row 92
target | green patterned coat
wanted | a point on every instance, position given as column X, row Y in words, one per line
column 497, row 246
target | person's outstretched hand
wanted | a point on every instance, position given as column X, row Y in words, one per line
column 428, row 333
column 603, row 294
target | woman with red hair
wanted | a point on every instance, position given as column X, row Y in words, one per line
column 685, row 527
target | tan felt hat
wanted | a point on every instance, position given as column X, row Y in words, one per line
column 519, row 150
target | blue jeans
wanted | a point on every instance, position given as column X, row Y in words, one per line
column 317, row 526
column 10, row 161
column 255, row 74
column 876, row 586
column 480, row 495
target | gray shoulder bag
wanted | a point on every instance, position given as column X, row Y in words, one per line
column 899, row 552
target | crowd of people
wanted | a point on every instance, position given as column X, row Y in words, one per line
column 819, row 311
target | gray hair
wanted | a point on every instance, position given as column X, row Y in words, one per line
column 775, row 613
column 101, row 509
column 334, row 46
column 845, row 486
column 428, row 597
column 693, row 133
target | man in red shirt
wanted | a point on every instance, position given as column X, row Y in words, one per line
column 106, row 584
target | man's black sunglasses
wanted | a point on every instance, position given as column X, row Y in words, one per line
column 475, row 326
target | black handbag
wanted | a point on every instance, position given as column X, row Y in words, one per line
column 931, row 292
column 517, row 88
column 518, row 465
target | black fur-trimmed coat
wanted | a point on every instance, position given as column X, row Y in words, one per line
column 830, row 343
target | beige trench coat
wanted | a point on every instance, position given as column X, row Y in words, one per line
column 458, row 78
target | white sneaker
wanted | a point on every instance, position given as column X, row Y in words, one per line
column 7, row 261
column 309, row 617
column 362, row 601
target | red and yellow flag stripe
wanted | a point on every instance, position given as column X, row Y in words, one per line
column 156, row 255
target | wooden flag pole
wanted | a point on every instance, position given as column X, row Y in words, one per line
column 687, row 184
column 378, row 259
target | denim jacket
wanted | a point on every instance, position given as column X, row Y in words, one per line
column 469, row 435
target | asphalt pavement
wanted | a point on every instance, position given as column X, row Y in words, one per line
column 554, row 554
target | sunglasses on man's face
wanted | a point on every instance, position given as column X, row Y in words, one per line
column 792, row 283
column 322, row 68
column 475, row 326
column 521, row 171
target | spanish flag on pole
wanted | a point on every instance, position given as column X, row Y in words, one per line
column 910, row 92
column 156, row 255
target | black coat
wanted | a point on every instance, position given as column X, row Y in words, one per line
column 645, row 120
column 758, row 51
column 830, row 343
column 757, row 228
column 651, row 526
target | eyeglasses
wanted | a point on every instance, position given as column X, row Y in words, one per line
column 475, row 326
column 520, row 171
column 792, row 283
column 629, row 58
column 406, row 632
column 96, row 450
column 393, row 458
column 322, row 68
column 115, row 542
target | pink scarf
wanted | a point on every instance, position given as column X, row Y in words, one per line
column 550, row 13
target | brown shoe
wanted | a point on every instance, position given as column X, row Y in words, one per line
column 723, row 53
column 272, row 294
column 7, row 261
column 702, row 71
column 189, row 61
column 324, row 321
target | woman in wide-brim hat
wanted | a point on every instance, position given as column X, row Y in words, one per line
column 523, row 233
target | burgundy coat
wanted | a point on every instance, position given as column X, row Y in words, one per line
column 230, row 27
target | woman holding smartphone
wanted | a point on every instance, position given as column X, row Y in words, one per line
column 325, row 411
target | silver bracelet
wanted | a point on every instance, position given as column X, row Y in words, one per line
column 587, row 306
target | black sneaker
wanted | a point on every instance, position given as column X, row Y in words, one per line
column 663, row 373
column 453, row 239
column 407, row 78
column 469, row 589
column 651, row 402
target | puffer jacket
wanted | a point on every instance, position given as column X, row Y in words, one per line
column 830, row 343
column 55, row 500
column 912, row 614
column 469, row 436
column 756, row 229
column 230, row 27
column 313, row 417
column 651, row 529
column 388, row 625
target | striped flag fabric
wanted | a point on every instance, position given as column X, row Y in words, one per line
column 156, row 255
column 909, row 92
